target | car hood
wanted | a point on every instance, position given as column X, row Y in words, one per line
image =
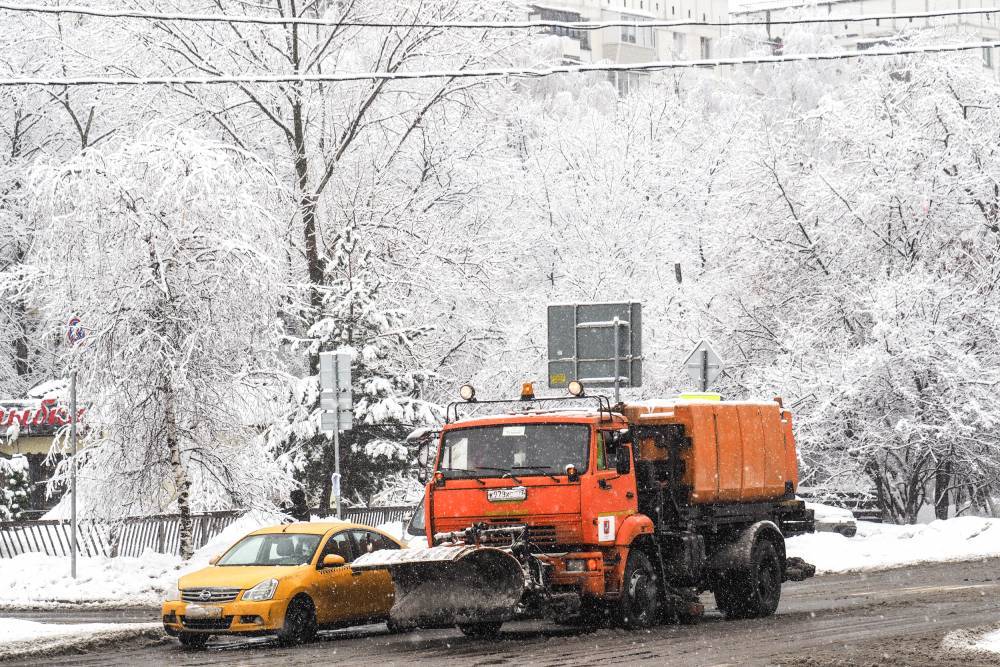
column 235, row 576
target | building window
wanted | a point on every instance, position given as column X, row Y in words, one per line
column 679, row 44
column 673, row 9
column 706, row 48
column 988, row 56
column 878, row 22
column 631, row 34
column 703, row 19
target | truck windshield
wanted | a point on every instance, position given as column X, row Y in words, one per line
column 517, row 450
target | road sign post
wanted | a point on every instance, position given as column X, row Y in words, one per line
column 703, row 365
column 72, row 501
column 337, row 404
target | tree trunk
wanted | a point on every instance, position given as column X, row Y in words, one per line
column 181, row 481
column 942, row 480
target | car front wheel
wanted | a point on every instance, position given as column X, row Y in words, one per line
column 300, row 622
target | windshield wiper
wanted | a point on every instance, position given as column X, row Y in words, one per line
column 468, row 474
column 506, row 472
column 540, row 469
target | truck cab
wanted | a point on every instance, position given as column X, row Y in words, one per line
column 567, row 476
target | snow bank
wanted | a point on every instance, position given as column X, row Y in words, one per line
column 881, row 546
column 20, row 638
column 37, row 580
column 972, row 641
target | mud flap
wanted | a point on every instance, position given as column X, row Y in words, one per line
column 445, row 586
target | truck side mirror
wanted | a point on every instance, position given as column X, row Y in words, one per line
column 423, row 459
column 623, row 463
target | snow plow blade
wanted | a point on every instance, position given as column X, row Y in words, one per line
column 446, row 586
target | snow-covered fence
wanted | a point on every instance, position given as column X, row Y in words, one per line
column 133, row 536
column 129, row 537
column 863, row 505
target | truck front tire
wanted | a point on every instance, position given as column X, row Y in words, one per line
column 754, row 590
column 639, row 605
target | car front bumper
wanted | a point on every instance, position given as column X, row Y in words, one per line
column 236, row 617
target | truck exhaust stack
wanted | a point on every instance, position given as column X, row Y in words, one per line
column 449, row 585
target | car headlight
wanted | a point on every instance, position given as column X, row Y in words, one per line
column 262, row 591
column 173, row 594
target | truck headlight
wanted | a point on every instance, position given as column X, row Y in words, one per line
column 576, row 565
column 262, row 591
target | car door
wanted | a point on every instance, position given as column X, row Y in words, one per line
column 334, row 586
column 373, row 587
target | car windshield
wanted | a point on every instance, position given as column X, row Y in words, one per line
column 517, row 450
column 272, row 549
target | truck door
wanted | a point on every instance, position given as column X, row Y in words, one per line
column 608, row 494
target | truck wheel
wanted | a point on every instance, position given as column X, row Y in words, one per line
column 300, row 622
column 193, row 639
column 480, row 630
column 639, row 605
column 754, row 591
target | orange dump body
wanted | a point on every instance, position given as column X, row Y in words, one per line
column 740, row 451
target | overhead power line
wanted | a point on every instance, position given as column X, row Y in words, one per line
column 471, row 25
column 528, row 72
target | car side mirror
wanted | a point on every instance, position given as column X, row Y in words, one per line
column 214, row 559
column 424, row 456
column 333, row 560
column 623, row 463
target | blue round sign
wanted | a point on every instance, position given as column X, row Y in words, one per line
column 75, row 331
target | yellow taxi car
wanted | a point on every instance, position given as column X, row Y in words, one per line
column 288, row 580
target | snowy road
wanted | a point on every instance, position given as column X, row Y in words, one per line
column 892, row 617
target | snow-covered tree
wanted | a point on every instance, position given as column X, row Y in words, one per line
column 165, row 248
column 388, row 387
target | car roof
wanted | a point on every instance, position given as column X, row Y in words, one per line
column 315, row 528
column 319, row 528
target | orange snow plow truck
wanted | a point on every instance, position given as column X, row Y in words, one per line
column 573, row 509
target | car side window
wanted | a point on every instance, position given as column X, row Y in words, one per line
column 340, row 544
column 383, row 542
column 606, row 452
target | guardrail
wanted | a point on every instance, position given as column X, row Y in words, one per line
column 134, row 535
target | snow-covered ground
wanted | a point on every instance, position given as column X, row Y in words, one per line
column 19, row 638
column 880, row 546
column 973, row 641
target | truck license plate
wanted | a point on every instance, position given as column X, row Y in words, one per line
column 197, row 611
column 503, row 495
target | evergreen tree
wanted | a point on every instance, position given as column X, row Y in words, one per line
column 388, row 391
column 15, row 487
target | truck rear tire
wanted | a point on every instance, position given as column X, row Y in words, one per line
column 639, row 605
column 752, row 591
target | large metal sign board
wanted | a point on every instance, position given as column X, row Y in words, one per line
column 582, row 344
column 703, row 364
column 336, row 395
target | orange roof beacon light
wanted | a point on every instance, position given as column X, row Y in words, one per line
column 576, row 388
column 468, row 393
column 527, row 392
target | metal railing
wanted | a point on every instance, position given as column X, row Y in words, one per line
column 133, row 536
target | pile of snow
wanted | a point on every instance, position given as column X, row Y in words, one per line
column 19, row 638
column 33, row 579
column 881, row 546
column 972, row 641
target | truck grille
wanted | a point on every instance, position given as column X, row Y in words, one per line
column 542, row 536
column 209, row 594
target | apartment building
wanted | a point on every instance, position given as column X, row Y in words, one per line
column 877, row 32
column 630, row 44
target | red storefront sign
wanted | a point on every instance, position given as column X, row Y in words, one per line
column 38, row 414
